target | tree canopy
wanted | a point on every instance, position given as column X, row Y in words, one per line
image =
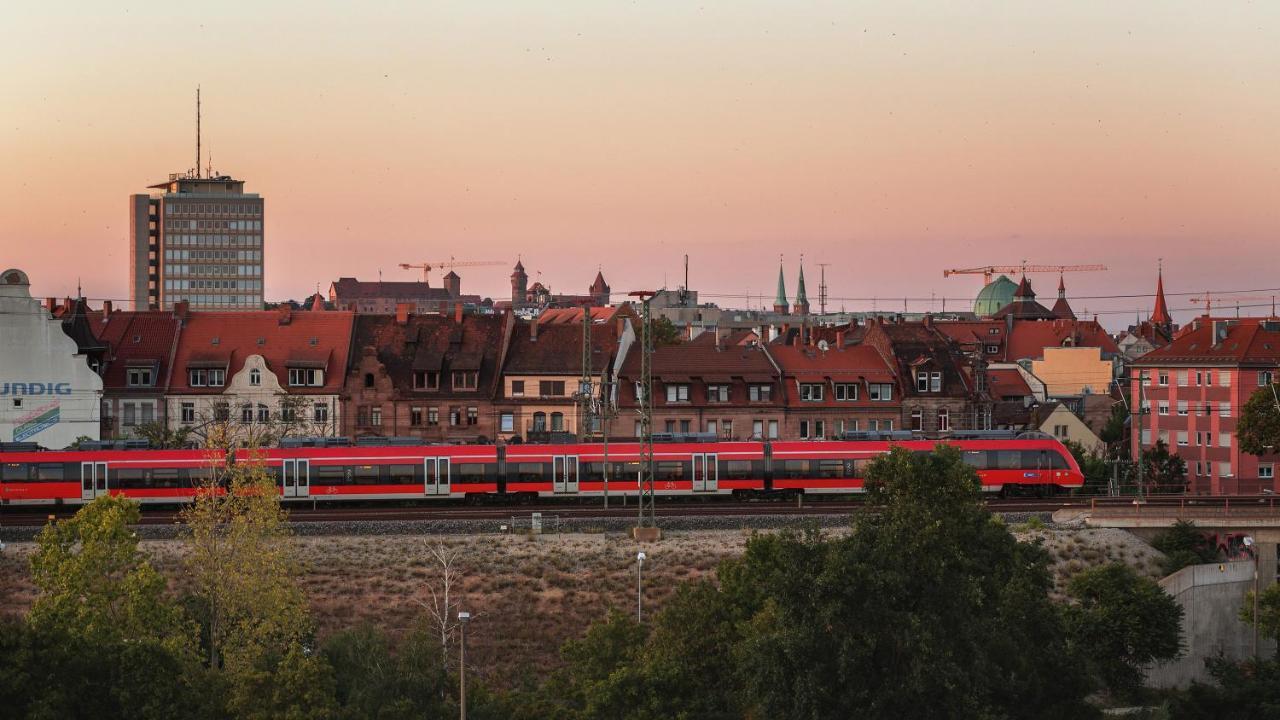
column 1259, row 425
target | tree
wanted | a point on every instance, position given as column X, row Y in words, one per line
column 160, row 436
column 1094, row 467
column 1259, row 425
column 1121, row 622
column 1163, row 471
column 1183, row 544
column 664, row 332
column 1268, row 611
column 94, row 583
column 442, row 609
column 1239, row 690
column 1116, row 428
column 243, row 573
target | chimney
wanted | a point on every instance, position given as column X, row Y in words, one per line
column 533, row 330
column 402, row 313
column 622, row 324
column 182, row 309
column 50, row 304
column 796, row 341
column 106, row 309
column 839, row 339
column 286, row 314
column 457, row 313
column 928, row 320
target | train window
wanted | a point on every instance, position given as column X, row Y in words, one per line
column 670, row 470
column 791, row 468
column 532, row 472
column 404, row 474
column 1007, row 460
column 329, row 475
column 976, row 459
column 366, row 474
column 829, row 469
column 197, row 477
column 855, row 468
column 50, row 472
column 1056, row 461
column 468, row 472
column 130, row 478
column 739, row 470
column 13, row 472
column 166, row 477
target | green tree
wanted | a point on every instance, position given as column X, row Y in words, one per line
column 372, row 682
column 161, row 436
column 1115, row 430
column 93, row 582
column 1094, row 467
column 1183, row 544
column 1268, row 611
column 1120, row 622
column 664, row 332
column 1238, row 690
column 1164, row 472
column 243, row 573
column 1259, row 425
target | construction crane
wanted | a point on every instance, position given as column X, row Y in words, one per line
column 1207, row 299
column 987, row 271
column 427, row 267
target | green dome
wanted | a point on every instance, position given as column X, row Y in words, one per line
column 994, row 296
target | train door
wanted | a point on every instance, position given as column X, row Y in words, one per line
column 706, row 472
column 564, row 473
column 437, row 474
column 295, row 478
column 93, row 480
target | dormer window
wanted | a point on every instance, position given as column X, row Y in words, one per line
column 255, row 377
column 206, row 377
column 425, row 380
column 466, row 380
column 928, row 381
column 306, row 377
column 141, row 377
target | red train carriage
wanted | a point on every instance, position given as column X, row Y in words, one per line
column 404, row 472
column 75, row 476
column 679, row 468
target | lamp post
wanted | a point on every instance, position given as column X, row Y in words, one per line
column 639, row 587
column 463, row 618
column 1248, row 542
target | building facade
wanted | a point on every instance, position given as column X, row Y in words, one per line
column 48, row 393
column 831, row 389
column 135, row 367
column 1191, row 392
column 383, row 298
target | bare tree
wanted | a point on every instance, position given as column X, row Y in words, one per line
column 445, row 601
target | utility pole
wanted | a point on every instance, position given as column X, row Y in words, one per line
column 647, row 527
column 463, row 619
column 1138, row 413
column 584, row 383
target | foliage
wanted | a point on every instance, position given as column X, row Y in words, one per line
column 1268, row 611
column 1094, row 467
column 1239, row 690
column 1183, row 544
column 1164, row 472
column 95, row 584
column 1115, row 431
column 371, row 682
column 1259, row 425
column 160, row 435
column 243, row 573
column 1120, row 622
column 664, row 332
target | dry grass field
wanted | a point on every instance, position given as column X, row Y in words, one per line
column 528, row 594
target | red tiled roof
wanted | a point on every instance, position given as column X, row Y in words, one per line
column 133, row 337
column 858, row 364
column 558, row 349
column 564, row 316
column 435, row 343
column 1244, row 341
column 239, row 334
column 702, row 360
column 1030, row 337
column 1007, row 383
column 346, row 289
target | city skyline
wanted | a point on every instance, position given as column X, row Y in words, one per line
column 888, row 142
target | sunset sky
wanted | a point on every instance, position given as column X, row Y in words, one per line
column 889, row 139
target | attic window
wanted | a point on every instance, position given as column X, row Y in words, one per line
column 137, row 338
column 314, row 341
column 262, row 341
column 215, row 340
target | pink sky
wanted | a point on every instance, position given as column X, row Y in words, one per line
column 890, row 140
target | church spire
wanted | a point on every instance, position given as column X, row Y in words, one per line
column 780, row 302
column 1160, row 315
column 802, row 299
column 1062, row 308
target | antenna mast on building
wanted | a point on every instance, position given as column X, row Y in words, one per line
column 822, row 288
column 197, row 170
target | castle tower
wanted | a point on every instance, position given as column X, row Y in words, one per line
column 519, row 285
column 599, row 291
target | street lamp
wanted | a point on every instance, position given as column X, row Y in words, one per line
column 463, row 618
column 1248, row 542
column 639, row 587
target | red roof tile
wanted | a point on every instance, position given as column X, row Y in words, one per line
column 1007, row 383
column 133, row 337
column 1242, row 341
column 1030, row 337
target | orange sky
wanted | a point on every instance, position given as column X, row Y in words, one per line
column 890, row 140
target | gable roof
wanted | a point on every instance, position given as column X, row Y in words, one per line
column 146, row 336
column 434, row 343
column 704, row 361
column 557, row 349
column 225, row 339
column 1007, row 383
column 1240, row 341
column 1029, row 338
column 352, row 289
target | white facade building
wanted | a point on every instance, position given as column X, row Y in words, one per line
column 48, row 393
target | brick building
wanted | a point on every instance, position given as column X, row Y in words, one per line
column 378, row 297
column 135, row 368
column 843, row 388
column 425, row 376
column 1191, row 392
column 705, row 386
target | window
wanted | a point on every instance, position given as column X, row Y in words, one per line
column 757, row 429
column 1163, row 377
column 1163, row 407
column 639, row 392
column 1264, row 378
column 1199, row 378
column 246, row 413
column 677, row 393
column 718, row 393
column 882, row 392
column 1146, row 437
column 917, row 420
column 1182, row 437
column 188, row 412
column 129, row 417
column 846, row 392
column 812, row 429
column 804, row 429
column 726, row 428
column 264, row 413
column 993, row 331
column 773, row 429
column 320, row 412
column 415, row 416
column 944, row 419
column 1182, row 408
column 368, row 380
column 217, row 377
column 1224, row 439
column 473, row 415
column 1224, row 469
column 221, row 412
column 1224, row 409
column 423, row 380
column 1224, row 378
column 433, row 417
column 140, row 377
column 200, row 378
column 1183, row 378
column 922, row 381
column 539, row 422
column 685, row 426
column 288, row 412
column 760, row 393
column 669, row 426
column 639, row 429
column 1266, row 471
column 1060, row 431
column 551, row 388
column 455, row 416
column 517, row 388
column 811, row 392
column 935, row 382
column 255, row 377
column 375, row 416
column 466, row 380
column 993, row 349
column 507, row 422
column 306, row 377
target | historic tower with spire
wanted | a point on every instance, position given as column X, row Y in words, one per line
column 801, row 306
column 1062, row 309
column 1160, row 315
column 780, row 305
column 519, row 284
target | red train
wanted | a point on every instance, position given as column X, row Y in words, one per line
column 403, row 472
